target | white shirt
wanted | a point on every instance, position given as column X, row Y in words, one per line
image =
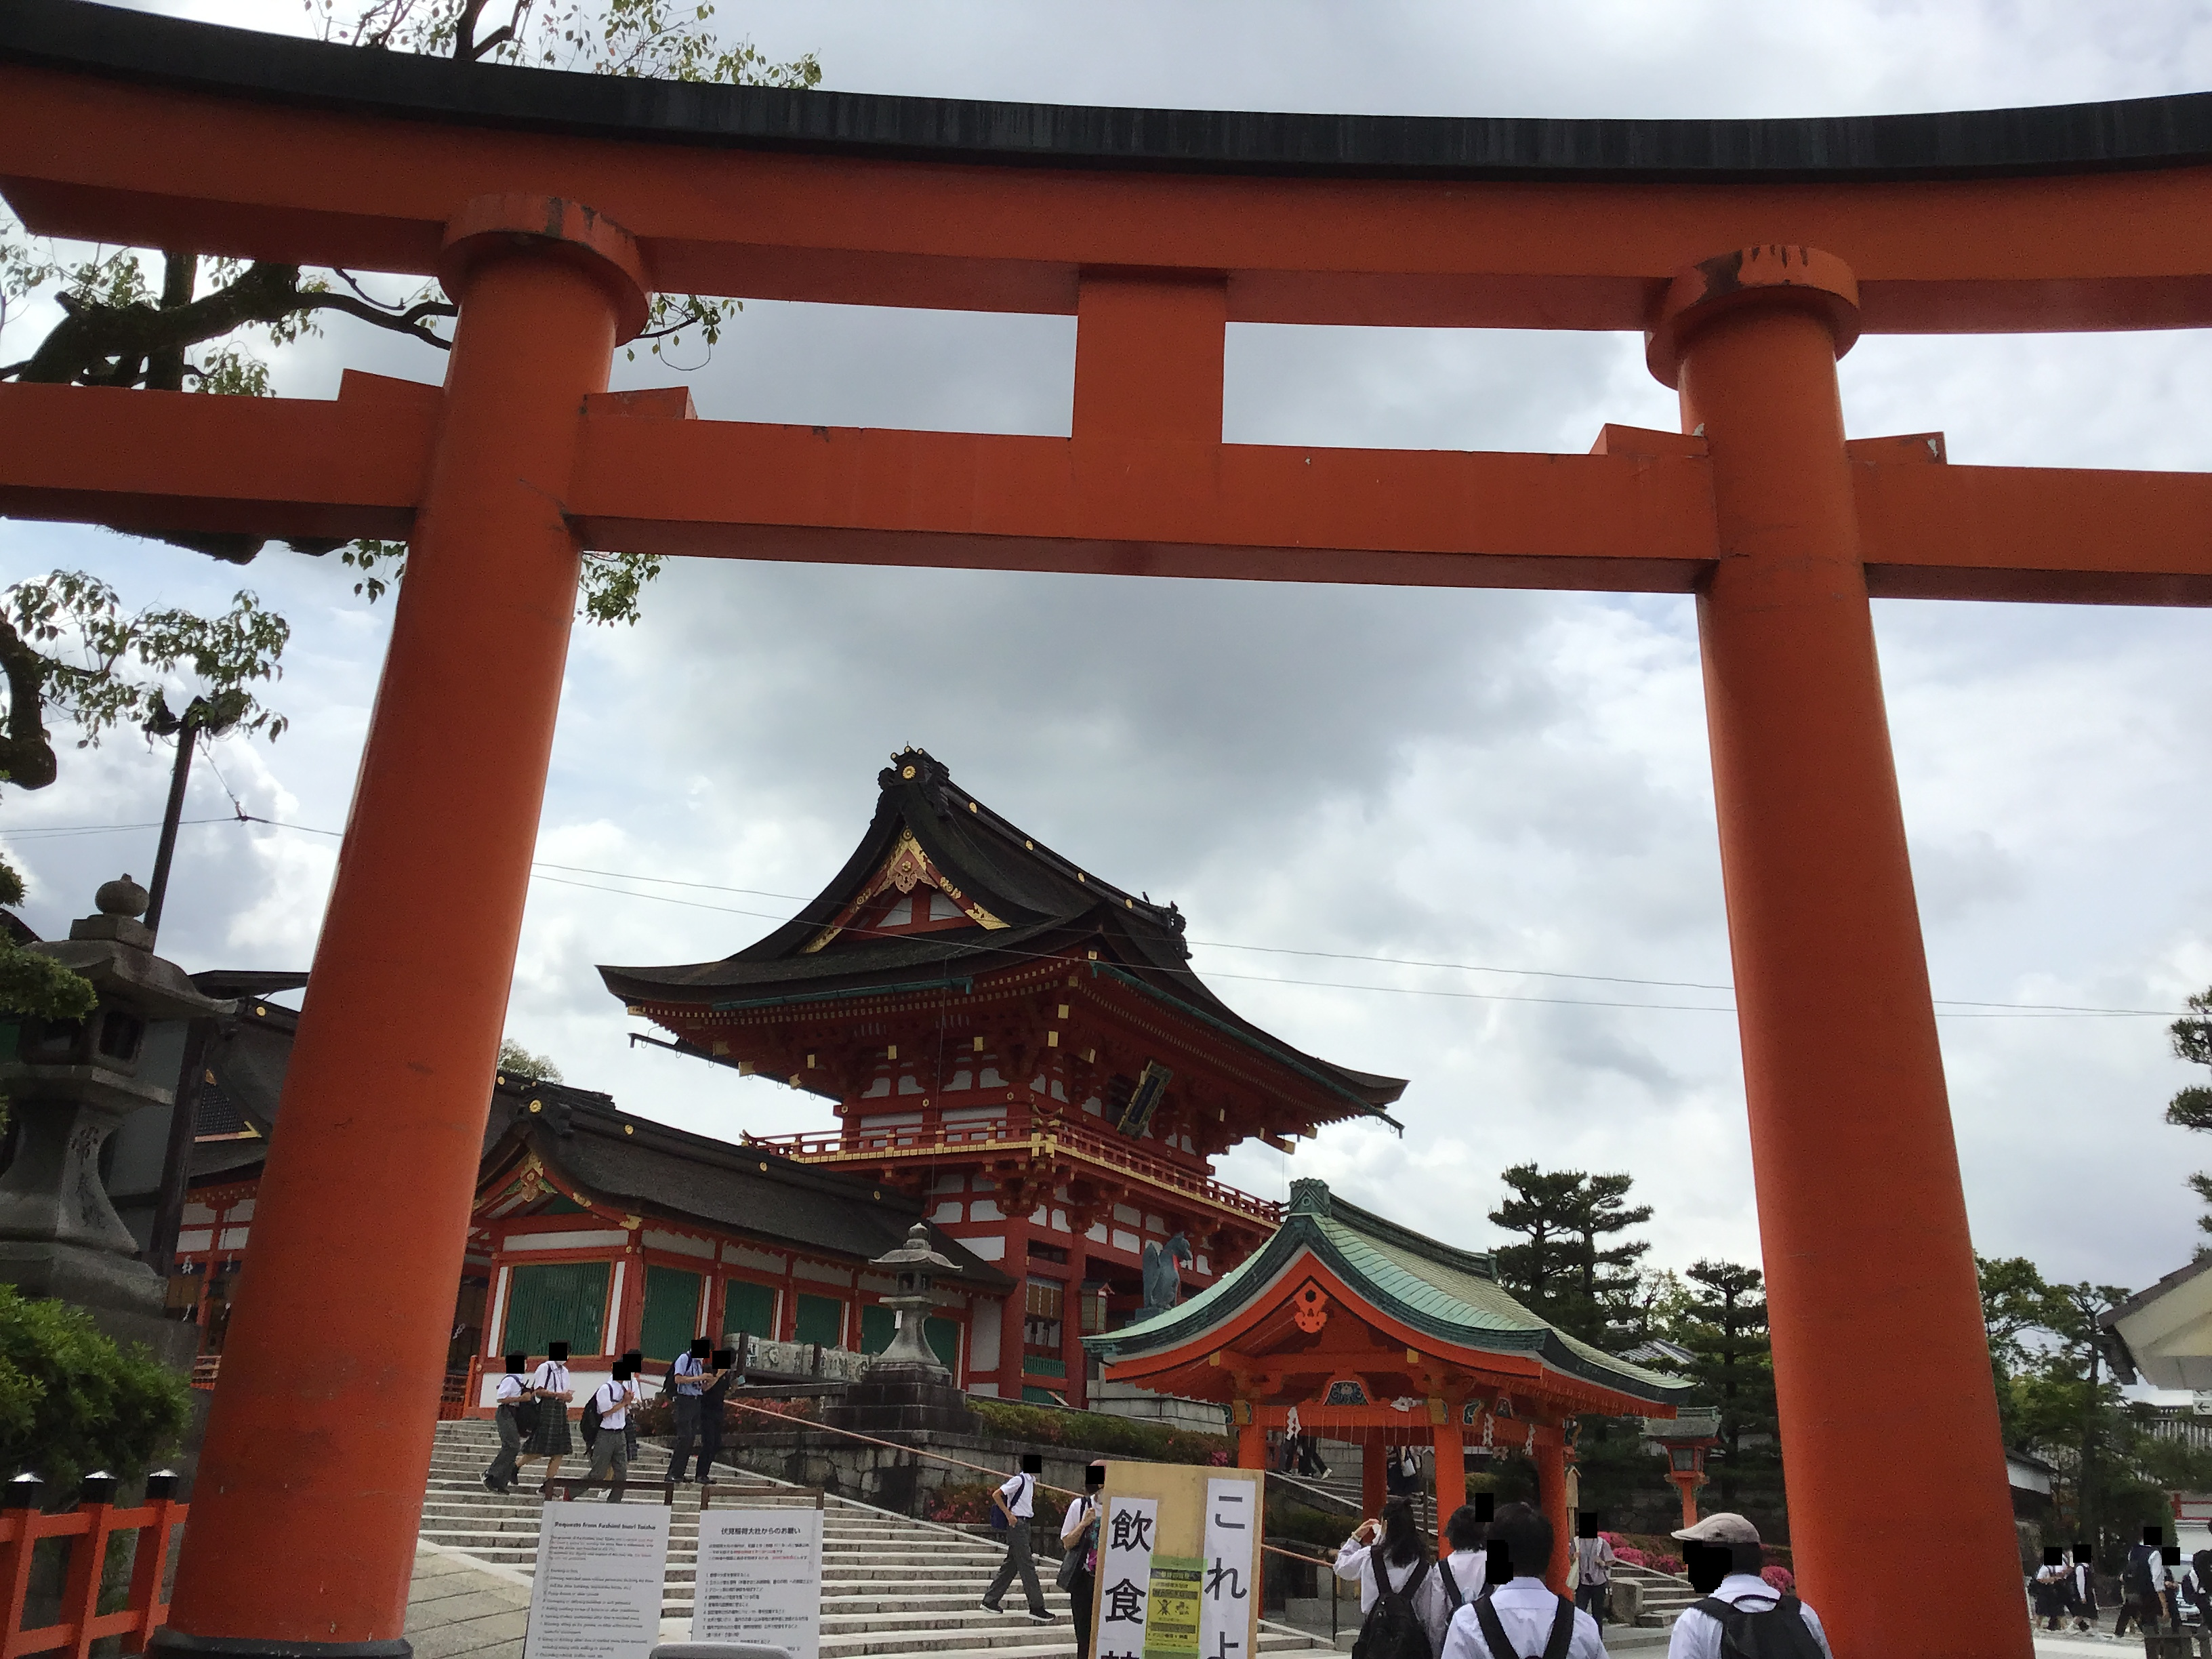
column 1698, row 1635
column 510, row 1388
column 552, row 1377
column 1526, row 1608
column 1020, row 1492
column 687, row 1365
column 1469, row 1569
column 1355, row 1563
column 1594, row 1559
column 613, row 1398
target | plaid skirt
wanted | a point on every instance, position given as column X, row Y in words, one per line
column 551, row 1437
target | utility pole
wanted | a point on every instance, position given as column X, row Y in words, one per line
column 187, row 731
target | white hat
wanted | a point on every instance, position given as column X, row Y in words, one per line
column 1722, row 1528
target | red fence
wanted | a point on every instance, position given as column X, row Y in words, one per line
column 89, row 1527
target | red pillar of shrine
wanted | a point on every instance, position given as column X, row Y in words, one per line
column 1451, row 1474
column 1552, row 1498
column 1862, row 1218
column 1372, row 1489
column 310, row 1487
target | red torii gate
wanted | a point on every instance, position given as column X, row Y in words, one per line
column 1752, row 253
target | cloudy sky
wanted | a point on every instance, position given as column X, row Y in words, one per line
column 1518, row 782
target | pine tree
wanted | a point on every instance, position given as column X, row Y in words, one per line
column 2192, row 1108
column 1726, row 1329
column 1563, row 1272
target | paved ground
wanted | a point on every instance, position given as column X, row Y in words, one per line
column 459, row 1607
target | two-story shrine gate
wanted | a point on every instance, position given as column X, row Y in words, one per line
column 1751, row 253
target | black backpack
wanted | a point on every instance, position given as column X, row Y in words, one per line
column 1776, row 1632
column 2136, row 1577
column 1501, row 1647
column 1392, row 1630
column 591, row 1424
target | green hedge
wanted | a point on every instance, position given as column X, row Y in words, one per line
column 72, row 1402
column 1097, row 1433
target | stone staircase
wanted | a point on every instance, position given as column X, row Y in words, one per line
column 891, row 1585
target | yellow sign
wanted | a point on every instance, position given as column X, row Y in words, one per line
column 1171, row 1620
column 1179, row 1563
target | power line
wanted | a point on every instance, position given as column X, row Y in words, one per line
column 1990, row 1010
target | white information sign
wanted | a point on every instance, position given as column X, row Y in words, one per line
column 760, row 1579
column 1225, row 1598
column 601, row 1569
column 1123, row 1593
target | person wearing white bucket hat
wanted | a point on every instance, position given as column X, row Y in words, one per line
column 1722, row 1556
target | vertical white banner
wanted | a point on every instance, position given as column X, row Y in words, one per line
column 597, row 1593
column 1122, row 1596
column 1229, row 1591
column 760, row 1579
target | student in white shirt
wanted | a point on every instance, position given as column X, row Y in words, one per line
column 550, row 1388
column 1017, row 1500
column 513, row 1394
column 1593, row 1567
column 610, row 1451
column 1732, row 1577
column 690, row 1375
column 1392, row 1551
column 1078, row 1531
column 1525, row 1612
column 1460, row 1578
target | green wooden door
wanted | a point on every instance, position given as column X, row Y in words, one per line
column 749, row 1308
column 942, row 1336
column 672, row 1312
column 555, row 1302
column 819, row 1319
column 878, row 1327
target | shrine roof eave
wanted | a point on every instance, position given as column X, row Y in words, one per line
column 2136, row 133
column 1444, row 1299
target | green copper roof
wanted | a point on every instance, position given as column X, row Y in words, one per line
column 1448, row 1293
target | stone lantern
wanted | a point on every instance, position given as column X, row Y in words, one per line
column 69, row 1084
column 906, row 1388
column 1685, row 1439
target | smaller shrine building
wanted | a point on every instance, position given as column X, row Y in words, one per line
column 1351, row 1327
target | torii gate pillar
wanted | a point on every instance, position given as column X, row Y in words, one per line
column 329, row 1401
column 1863, row 1218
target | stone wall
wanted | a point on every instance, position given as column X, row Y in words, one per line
column 899, row 1478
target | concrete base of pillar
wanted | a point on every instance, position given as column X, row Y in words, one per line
column 902, row 1399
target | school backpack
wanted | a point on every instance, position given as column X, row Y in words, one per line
column 592, row 1420
column 2136, row 1576
column 1501, row 1645
column 1392, row 1630
column 1776, row 1632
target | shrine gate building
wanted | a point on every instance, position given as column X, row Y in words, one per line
column 1024, row 1046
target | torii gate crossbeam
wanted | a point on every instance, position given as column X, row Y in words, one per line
column 1750, row 253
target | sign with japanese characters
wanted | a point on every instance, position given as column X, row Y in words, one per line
column 1178, row 1563
column 760, row 1579
column 1228, row 1592
column 597, row 1591
column 1123, row 1595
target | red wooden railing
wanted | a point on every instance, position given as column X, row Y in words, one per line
column 91, row 1526
column 919, row 1140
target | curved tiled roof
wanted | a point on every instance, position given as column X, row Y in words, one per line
column 1448, row 1294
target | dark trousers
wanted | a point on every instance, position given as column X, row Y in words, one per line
column 687, row 1431
column 710, row 1439
column 1591, row 1599
column 500, row 1475
column 1078, row 1596
column 2143, row 1609
column 1017, row 1561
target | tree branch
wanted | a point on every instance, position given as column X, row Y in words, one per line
column 26, row 754
column 405, row 322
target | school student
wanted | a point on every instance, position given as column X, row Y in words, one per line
column 2084, row 1602
column 1078, row 1561
column 713, row 1394
column 1390, row 1553
column 1593, row 1563
column 1460, row 1572
column 550, row 1388
column 2142, row 1585
column 1722, row 1557
column 1016, row 1502
column 610, row 1451
column 2048, row 1593
column 634, row 1359
column 513, row 1393
column 1521, row 1615
column 690, row 1375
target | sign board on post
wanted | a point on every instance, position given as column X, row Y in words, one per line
column 597, row 1593
column 1178, row 1563
column 760, row 1579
